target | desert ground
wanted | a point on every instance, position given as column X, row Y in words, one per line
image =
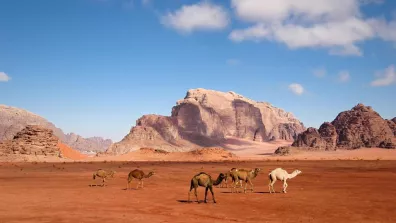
column 326, row 191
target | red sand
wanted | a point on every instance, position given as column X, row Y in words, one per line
column 70, row 153
column 326, row 191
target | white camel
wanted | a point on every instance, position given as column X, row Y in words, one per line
column 280, row 174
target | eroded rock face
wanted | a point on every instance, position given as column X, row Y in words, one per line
column 13, row 120
column 359, row 127
column 205, row 117
column 310, row 138
column 392, row 125
column 32, row 140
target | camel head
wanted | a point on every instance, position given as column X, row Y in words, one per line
column 297, row 172
column 219, row 179
column 111, row 173
column 150, row 174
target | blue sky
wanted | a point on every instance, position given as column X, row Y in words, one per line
column 94, row 66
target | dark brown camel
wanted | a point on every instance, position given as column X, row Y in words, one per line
column 204, row 180
column 138, row 174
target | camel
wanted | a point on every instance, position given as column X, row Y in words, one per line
column 280, row 174
column 242, row 175
column 103, row 174
column 138, row 174
column 224, row 183
column 204, row 180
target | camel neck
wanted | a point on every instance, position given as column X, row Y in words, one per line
column 218, row 181
column 292, row 175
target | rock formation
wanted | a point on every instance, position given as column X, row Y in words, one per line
column 359, row 127
column 392, row 125
column 32, row 140
column 96, row 144
column 204, row 118
column 13, row 120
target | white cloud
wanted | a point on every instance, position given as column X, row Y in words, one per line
column 233, row 62
column 336, row 25
column 385, row 30
column 307, row 10
column 340, row 37
column 319, row 72
column 200, row 16
column 385, row 78
column 344, row 76
column 4, row 77
column 297, row 89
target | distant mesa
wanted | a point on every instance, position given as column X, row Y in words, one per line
column 205, row 118
column 359, row 127
column 13, row 120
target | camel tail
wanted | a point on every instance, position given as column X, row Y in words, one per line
column 94, row 176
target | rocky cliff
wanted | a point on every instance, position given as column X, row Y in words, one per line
column 204, row 118
column 359, row 127
column 32, row 140
column 13, row 120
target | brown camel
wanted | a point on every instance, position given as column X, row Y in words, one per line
column 224, row 183
column 226, row 178
column 204, row 180
column 104, row 174
column 138, row 174
column 242, row 175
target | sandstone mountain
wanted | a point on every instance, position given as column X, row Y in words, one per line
column 13, row 120
column 359, row 127
column 205, row 118
column 32, row 140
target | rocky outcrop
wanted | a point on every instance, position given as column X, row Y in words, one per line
column 13, row 120
column 359, row 127
column 205, row 118
column 392, row 125
column 32, row 140
column 283, row 151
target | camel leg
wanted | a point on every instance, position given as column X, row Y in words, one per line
column 137, row 187
column 272, row 185
column 103, row 181
column 196, row 195
column 284, row 186
column 142, row 183
column 251, row 185
column 129, row 184
column 211, row 191
column 189, row 192
column 206, row 193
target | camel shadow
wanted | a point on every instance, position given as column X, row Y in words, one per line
column 188, row 202
column 96, row 185
column 262, row 192
column 126, row 189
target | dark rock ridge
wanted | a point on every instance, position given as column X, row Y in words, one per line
column 32, row 140
column 205, row 118
column 13, row 120
column 359, row 127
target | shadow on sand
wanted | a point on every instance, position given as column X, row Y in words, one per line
column 96, row 185
column 190, row 202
